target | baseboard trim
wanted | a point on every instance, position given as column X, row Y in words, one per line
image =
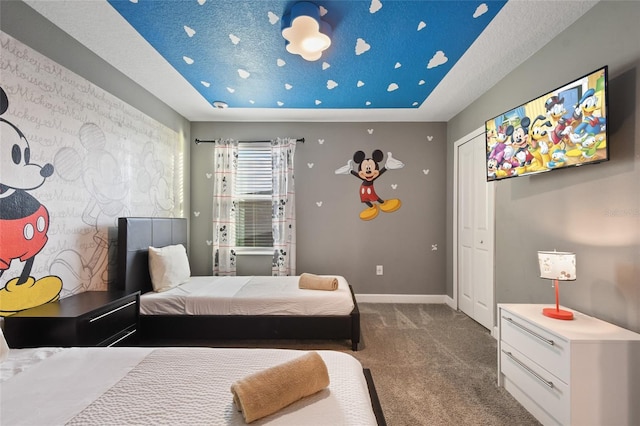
column 450, row 302
column 401, row 298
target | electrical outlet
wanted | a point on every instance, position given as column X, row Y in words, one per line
column 379, row 270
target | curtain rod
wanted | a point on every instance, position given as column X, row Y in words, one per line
column 198, row 141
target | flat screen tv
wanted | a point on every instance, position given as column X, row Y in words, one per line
column 563, row 128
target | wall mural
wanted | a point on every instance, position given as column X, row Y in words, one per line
column 368, row 171
column 24, row 222
column 74, row 158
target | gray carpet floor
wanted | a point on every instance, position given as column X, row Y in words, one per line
column 431, row 365
column 435, row 366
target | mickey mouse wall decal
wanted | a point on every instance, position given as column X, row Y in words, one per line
column 368, row 171
column 24, row 222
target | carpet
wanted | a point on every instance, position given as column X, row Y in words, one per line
column 433, row 365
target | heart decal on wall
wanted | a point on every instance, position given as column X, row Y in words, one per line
column 319, row 203
column 394, row 185
column 196, row 214
column 425, row 171
column 429, row 138
column 320, row 141
column 310, row 165
column 370, row 131
column 209, row 242
column 209, row 175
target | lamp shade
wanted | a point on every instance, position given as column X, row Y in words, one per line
column 557, row 265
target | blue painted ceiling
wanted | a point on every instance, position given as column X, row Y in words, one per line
column 384, row 53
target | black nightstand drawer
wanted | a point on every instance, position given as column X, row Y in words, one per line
column 92, row 318
column 103, row 326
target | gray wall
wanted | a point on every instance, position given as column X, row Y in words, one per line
column 592, row 210
column 331, row 238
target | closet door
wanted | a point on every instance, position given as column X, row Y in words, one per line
column 475, row 225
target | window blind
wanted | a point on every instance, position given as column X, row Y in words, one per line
column 253, row 189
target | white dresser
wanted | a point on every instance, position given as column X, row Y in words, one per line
column 578, row 372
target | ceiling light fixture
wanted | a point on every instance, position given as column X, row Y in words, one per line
column 306, row 33
column 220, row 104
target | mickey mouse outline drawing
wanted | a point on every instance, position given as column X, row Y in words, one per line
column 368, row 171
column 24, row 222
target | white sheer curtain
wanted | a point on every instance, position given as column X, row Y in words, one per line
column 224, row 238
column 284, row 205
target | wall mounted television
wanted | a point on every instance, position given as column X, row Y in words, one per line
column 566, row 127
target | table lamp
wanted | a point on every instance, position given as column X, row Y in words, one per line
column 557, row 266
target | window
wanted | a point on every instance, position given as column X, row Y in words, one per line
column 252, row 198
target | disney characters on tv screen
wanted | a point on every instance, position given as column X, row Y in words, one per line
column 566, row 127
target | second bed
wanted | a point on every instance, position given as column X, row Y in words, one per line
column 226, row 308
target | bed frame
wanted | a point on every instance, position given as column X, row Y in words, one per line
column 136, row 234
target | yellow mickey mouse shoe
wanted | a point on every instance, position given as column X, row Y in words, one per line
column 16, row 297
column 369, row 213
column 390, row 205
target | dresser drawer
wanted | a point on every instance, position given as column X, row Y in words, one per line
column 105, row 326
column 538, row 345
column 548, row 393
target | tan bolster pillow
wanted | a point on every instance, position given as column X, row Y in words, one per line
column 265, row 392
column 316, row 282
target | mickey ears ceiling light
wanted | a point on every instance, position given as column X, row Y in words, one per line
column 306, row 33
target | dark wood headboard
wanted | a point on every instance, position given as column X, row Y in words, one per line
column 135, row 235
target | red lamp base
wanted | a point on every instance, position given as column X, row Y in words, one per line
column 557, row 313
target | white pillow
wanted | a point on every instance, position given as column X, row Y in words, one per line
column 4, row 347
column 168, row 266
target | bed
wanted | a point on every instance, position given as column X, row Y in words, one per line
column 291, row 314
column 169, row 385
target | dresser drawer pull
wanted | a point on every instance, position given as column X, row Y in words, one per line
column 529, row 370
column 122, row 338
column 112, row 311
column 531, row 332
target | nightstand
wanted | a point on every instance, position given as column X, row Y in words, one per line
column 583, row 371
column 92, row 318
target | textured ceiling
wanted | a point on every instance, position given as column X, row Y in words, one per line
column 389, row 55
column 389, row 60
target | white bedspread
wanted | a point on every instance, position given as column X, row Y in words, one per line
column 251, row 295
column 98, row 386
